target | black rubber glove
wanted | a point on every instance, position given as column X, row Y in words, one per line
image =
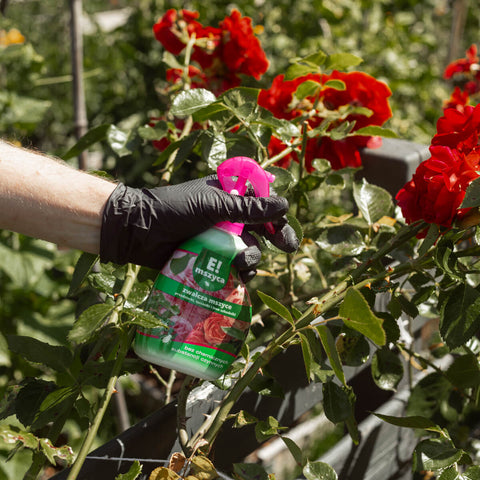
column 145, row 226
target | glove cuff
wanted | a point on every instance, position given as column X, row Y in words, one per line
column 118, row 231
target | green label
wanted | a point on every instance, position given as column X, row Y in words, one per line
column 211, row 270
column 204, row 300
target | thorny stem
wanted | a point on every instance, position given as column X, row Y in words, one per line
column 126, row 339
column 182, row 415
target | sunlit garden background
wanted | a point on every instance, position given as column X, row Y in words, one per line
column 405, row 43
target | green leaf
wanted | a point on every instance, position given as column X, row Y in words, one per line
column 297, row 70
column 11, row 435
column 460, row 315
column 319, row 471
column 189, row 101
column 276, row 307
column 267, row 428
column 342, row 61
column 5, row 360
column 83, row 267
column 57, row 357
column 55, row 404
column 373, row 201
column 328, row 343
column 429, row 240
column 295, row 450
column 89, row 322
column 308, row 359
column 137, row 316
column 284, row 179
column 427, row 395
column 93, row 136
column 134, row 471
column 464, row 372
column 119, row 140
column 341, row 240
column 435, row 454
column 336, row 402
column 157, row 132
column 356, row 314
column 472, row 195
column 336, row 85
column 375, row 131
column 472, row 473
column 414, row 421
column 214, row 150
column 387, row 369
column 309, row 88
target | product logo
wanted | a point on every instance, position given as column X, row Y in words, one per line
column 211, row 270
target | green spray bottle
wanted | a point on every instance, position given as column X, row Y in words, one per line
column 199, row 298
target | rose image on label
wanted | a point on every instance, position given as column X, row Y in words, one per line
column 206, row 311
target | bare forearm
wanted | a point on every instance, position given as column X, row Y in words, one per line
column 47, row 199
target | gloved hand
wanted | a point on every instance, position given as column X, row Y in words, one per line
column 145, row 226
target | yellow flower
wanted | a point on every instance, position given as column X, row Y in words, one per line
column 13, row 36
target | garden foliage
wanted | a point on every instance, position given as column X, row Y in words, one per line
column 307, row 123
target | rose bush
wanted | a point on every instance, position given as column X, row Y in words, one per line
column 308, row 128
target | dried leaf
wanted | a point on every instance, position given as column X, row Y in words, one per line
column 163, row 473
column 177, row 462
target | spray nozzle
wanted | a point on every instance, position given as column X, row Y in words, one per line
column 234, row 175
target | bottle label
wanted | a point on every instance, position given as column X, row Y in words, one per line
column 211, row 270
column 206, row 312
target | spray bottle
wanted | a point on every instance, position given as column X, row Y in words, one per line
column 198, row 296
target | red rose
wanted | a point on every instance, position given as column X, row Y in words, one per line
column 438, row 187
column 241, row 49
column 458, row 129
column 279, row 98
column 171, row 28
column 463, row 65
column 361, row 90
column 196, row 336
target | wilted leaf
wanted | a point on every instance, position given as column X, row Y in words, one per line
column 202, row 468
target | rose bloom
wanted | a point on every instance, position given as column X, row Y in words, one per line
column 241, row 50
column 197, row 335
column 463, row 65
column 459, row 129
column 168, row 30
column 361, row 90
column 438, row 187
column 458, row 100
column 182, row 327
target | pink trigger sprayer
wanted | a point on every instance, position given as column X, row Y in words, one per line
column 203, row 305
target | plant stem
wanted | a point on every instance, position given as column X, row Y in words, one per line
column 93, row 430
column 182, row 416
column 125, row 341
column 212, row 425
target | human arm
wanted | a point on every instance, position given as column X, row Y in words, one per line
column 47, row 199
